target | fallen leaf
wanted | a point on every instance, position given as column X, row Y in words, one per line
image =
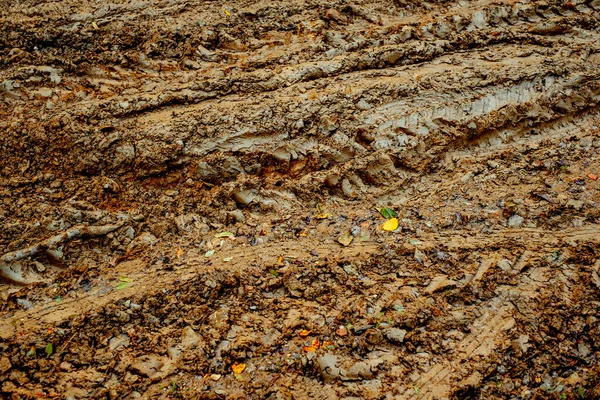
column 227, row 259
column 414, row 242
column 280, row 260
column 390, row 225
column 345, row 239
column 49, row 349
column 322, row 216
column 273, row 272
column 305, row 333
column 592, row 177
column 179, row 253
column 224, row 234
column 341, row 332
column 209, row 253
column 227, row 12
column 387, row 213
column 315, row 343
column 238, row 368
column 95, row 25
column 327, row 343
column 124, row 282
column 309, row 349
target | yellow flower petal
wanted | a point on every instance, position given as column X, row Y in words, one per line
column 391, row 224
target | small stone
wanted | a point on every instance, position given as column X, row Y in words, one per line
column 237, row 215
column 394, row 334
column 467, row 177
column 328, row 367
column 364, row 105
column 25, row 304
column 39, row 266
column 244, row 197
column 515, row 221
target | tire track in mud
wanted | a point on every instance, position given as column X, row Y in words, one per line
column 461, row 115
column 489, row 321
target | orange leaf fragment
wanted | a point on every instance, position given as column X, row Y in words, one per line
column 592, row 177
column 316, row 344
column 305, row 333
column 238, row 368
column 309, row 349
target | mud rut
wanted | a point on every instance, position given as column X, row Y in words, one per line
column 133, row 132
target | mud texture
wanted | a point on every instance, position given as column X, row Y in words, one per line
column 175, row 176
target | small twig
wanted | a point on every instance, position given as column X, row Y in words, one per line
column 69, row 234
column 77, row 231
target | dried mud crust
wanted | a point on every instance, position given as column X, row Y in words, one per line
column 133, row 132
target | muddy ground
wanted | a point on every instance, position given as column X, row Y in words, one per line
column 189, row 194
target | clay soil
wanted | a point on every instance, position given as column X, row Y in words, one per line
column 189, row 195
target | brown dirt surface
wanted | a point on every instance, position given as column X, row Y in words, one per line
column 189, row 196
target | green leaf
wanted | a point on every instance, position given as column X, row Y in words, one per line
column 274, row 273
column 31, row 352
column 224, row 234
column 49, row 349
column 124, row 279
column 122, row 285
column 388, row 213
